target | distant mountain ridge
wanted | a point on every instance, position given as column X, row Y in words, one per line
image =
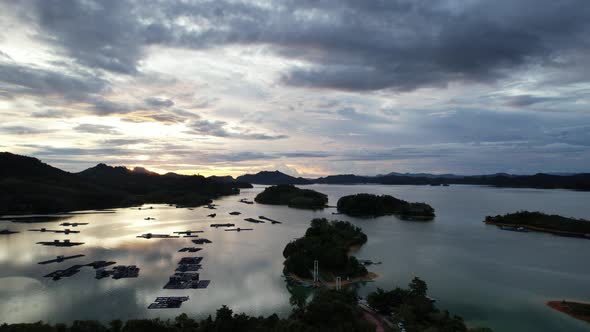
column 579, row 181
column 28, row 185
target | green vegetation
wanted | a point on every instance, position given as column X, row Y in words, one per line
column 369, row 205
column 329, row 242
column 328, row 311
column 415, row 310
column 287, row 194
column 29, row 186
column 542, row 222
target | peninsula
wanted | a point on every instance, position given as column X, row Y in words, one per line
column 328, row 243
column 369, row 205
column 541, row 222
column 577, row 310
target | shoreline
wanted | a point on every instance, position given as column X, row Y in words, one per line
column 562, row 307
column 541, row 229
column 371, row 276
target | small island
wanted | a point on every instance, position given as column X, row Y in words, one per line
column 328, row 242
column 369, row 205
column 540, row 222
column 288, row 194
column 577, row 310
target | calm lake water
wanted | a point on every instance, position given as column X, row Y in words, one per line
column 491, row 277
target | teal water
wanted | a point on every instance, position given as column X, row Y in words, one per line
column 491, row 277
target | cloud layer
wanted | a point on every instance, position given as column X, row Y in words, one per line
column 319, row 86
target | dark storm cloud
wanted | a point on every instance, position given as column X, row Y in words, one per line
column 350, row 45
column 98, row 34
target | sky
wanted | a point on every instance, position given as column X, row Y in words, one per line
column 308, row 87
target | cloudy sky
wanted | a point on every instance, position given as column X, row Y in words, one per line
column 309, row 87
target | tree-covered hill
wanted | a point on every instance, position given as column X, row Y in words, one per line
column 369, row 205
column 28, row 185
column 286, row 194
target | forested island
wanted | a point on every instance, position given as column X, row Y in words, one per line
column 541, row 222
column 369, row 205
column 29, row 186
column 287, row 194
column 577, row 310
column 328, row 242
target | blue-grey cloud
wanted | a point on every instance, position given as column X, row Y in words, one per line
column 88, row 128
column 159, row 102
column 219, row 129
column 21, row 79
column 350, row 45
column 22, row 130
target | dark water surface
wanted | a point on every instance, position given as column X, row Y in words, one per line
column 491, row 277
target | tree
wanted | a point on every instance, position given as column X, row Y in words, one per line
column 418, row 286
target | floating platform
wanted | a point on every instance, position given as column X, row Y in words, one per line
column 238, row 229
column 171, row 302
column 190, row 249
column 73, row 224
column 7, row 232
column 157, row 236
column 187, row 232
column 100, row 264
column 514, row 228
column 188, row 267
column 222, row 225
column 254, row 221
column 201, row 241
column 190, row 260
column 184, row 280
column 37, row 219
column 235, row 213
column 57, row 243
column 368, row 262
column 59, row 259
column 271, row 220
column 118, row 272
column 44, row 230
column 57, row 275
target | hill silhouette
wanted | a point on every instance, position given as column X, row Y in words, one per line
column 28, row 185
column 272, row 178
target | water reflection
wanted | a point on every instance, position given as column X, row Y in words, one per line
column 494, row 278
